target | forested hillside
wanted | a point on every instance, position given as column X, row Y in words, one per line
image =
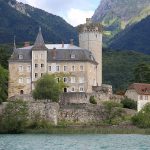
column 23, row 21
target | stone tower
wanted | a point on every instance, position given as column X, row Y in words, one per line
column 90, row 37
column 39, row 58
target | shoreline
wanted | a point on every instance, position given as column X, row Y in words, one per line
column 87, row 130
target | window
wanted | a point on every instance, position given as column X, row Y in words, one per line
column 20, row 80
column 28, row 68
column 41, row 74
column 73, row 89
column 42, row 65
column 73, row 56
column 146, row 97
column 42, row 56
column 50, row 68
column 81, row 68
column 81, row 89
column 73, row 80
column 65, row 90
column 65, row 80
column 36, row 56
column 20, row 68
column 81, row 80
column 21, row 92
column 28, row 80
column 141, row 97
column 36, row 75
column 57, row 68
column 36, row 65
column 73, row 68
column 20, row 56
column 65, row 68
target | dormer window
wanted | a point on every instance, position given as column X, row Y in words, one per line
column 20, row 56
column 73, row 56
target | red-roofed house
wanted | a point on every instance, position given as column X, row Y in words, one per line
column 139, row 92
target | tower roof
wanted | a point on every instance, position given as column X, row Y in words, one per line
column 39, row 42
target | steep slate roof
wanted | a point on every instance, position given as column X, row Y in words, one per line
column 55, row 52
column 140, row 88
column 39, row 42
column 62, row 54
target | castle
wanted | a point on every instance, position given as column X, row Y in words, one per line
column 83, row 63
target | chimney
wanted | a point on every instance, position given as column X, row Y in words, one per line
column 26, row 44
column 62, row 44
column 71, row 42
column 54, row 53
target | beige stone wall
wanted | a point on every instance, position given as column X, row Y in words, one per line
column 92, row 40
column 39, row 58
column 15, row 74
column 83, row 78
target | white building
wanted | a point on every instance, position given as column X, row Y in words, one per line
column 139, row 92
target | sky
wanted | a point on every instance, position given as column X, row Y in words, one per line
column 73, row 11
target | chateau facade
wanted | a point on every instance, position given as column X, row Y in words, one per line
column 83, row 63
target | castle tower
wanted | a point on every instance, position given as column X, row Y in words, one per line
column 90, row 37
column 39, row 58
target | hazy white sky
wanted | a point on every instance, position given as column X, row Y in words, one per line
column 73, row 11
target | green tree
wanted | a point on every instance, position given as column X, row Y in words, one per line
column 93, row 100
column 112, row 111
column 129, row 103
column 47, row 87
column 5, row 54
column 142, row 73
column 14, row 119
column 142, row 119
column 3, row 84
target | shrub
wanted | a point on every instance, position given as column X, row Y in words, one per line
column 93, row 100
column 129, row 103
column 47, row 88
column 113, row 111
column 3, row 84
column 142, row 119
column 14, row 119
column 37, row 122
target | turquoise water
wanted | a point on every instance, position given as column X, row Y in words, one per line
column 74, row 142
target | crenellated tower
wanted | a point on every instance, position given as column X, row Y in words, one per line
column 90, row 37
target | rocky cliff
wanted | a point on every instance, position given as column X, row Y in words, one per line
column 115, row 15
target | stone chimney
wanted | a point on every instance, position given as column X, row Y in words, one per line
column 53, row 53
column 71, row 42
column 62, row 44
column 26, row 44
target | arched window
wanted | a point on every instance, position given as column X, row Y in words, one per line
column 21, row 92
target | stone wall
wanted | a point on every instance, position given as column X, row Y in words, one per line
column 23, row 97
column 82, row 98
column 44, row 110
column 83, row 113
column 77, row 98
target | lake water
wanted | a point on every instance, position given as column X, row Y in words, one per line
column 74, row 142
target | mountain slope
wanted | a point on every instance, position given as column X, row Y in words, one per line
column 115, row 15
column 135, row 37
column 119, row 66
column 23, row 21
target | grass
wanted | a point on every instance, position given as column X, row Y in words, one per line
column 88, row 130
